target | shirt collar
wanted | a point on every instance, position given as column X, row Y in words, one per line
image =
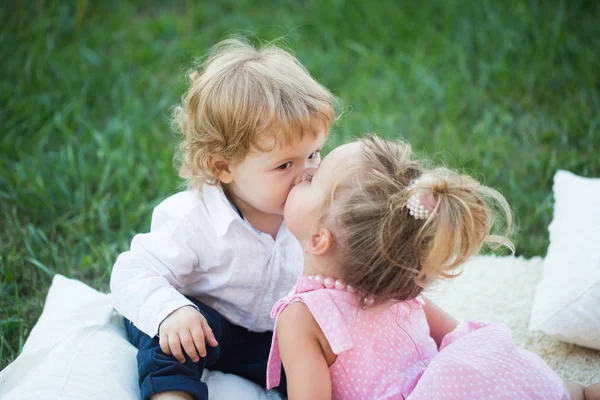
column 221, row 211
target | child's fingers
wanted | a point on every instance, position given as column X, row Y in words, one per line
column 188, row 345
column 198, row 337
column 208, row 333
column 164, row 344
column 175, row 346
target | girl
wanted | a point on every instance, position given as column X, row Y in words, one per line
column 377, row 228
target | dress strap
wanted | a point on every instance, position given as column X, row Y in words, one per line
column 330, row 318
column 327, row 314
column 274, row 362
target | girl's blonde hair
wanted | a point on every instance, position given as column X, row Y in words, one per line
column 385, row 252
column 237, row 94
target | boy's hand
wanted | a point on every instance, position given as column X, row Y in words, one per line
column 188, row 328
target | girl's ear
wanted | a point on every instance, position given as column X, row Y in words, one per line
column 221, row 168
column 320, row 242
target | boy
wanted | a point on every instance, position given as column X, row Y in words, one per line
column 219, row 255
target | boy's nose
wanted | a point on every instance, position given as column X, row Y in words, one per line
column 302, row 176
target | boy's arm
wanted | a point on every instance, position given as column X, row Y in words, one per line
column 145, row 280
column 440, row 322
column 305, row 364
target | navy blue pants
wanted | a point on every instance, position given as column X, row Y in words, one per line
column 240, row 352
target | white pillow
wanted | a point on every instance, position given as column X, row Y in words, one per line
column 567, row 299
column 78, row 350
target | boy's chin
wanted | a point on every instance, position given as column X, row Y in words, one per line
column 270, row 210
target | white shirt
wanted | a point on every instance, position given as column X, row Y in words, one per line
column 199, row 246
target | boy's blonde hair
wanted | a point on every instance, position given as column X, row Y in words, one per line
column 385, row 252
column 237, row 94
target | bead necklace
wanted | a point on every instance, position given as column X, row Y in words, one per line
column 339, row 284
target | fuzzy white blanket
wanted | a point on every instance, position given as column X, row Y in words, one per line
column 501, row 289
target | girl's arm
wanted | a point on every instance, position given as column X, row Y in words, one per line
column 440, row 322
column 304, row 361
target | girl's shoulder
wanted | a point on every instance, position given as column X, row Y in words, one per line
column 298, row 316
column 297, row 322
column 327, row 311
column 319, row 300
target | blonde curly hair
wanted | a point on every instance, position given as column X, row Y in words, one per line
column 238, row 94
column 385, row 252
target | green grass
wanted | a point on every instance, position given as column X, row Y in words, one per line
column 506, row 90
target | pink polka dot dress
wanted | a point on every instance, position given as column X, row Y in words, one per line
column 385, row 352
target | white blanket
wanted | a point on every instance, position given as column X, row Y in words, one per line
column 78, row 350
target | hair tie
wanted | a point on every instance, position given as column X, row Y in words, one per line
column 422, row 203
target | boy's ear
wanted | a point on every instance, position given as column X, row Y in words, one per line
column 221, row 168
column 320, row 242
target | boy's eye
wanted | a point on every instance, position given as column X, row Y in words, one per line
column 308, row 177
column 314, row 155
column 285, row 166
